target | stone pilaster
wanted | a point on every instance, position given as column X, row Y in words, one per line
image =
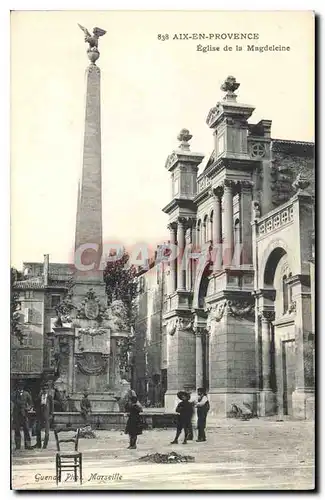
column 181, row 247
column 228, row 244
column 172, row 238
column 267, row 396
column 199, row 332
column 181, row 359
column 245, row 217
column 217, row 237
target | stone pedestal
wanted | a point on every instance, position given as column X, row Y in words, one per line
column 303, row 404
column 232, row 355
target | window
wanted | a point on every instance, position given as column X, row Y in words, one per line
column 29, row 294
column 26, row 363
column 28, row 339
column 211, row 226
column 55, row 300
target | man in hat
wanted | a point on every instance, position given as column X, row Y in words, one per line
column 21, row 404
column 44, row 407
column 185, row 412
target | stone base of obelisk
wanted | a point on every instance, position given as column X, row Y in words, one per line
column 100, row 401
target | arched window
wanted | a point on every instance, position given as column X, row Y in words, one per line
column 206, row 229
column 285, row 293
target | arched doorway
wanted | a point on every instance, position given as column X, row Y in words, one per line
column 278, row 343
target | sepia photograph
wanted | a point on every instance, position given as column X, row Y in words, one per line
column 162, row 260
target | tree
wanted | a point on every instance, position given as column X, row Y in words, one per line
column 15, row 326
column 120, row 281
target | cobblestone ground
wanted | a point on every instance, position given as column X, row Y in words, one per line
column 258, row 454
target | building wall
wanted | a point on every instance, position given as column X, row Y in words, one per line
column 28, row 357
column 147, row 358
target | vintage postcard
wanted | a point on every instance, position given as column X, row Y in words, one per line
column 162, row 250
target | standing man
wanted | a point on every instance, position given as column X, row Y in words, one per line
column 85, row 407
column 22, row 403
column 202, row 408
column 44, row 407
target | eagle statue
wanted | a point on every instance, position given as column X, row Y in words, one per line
column 92, row 39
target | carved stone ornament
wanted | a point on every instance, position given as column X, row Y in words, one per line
column 301, row 183
column 117, row 317
column 185, row 324
column 230, row 86
column 256, row 210
column 91, row 308
column 171, row 159
column 184, row 137
column 200, row 331
column 92, row 363
column 172, row 326
column 267, row 315
column 92, row 40
column 64, row 310
column 240, row 309
column 292, row 307
column 216, row 313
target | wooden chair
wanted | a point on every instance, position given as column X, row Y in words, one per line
column 68, row 460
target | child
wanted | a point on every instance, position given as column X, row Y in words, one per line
column 202, row 407
column 134, row 423
column 185, row 412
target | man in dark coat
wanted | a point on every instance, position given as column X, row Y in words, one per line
column 134, row 423
column 185, row 412
column 44, row 407
column 22, row 403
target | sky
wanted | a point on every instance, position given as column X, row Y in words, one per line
column 150, row 89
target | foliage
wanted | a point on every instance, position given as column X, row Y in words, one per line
column 120, row 281
column 119, row 277
column 15, row 326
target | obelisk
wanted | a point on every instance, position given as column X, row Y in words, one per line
column 88, row 236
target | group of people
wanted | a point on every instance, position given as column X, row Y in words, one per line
column 46, row 402
column 184, row 410
column 44, row 408
column 43, row 405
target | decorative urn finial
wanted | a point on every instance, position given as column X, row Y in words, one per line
column 184, row 137
column 301, row 183
column 92, row 51
column 230, row 86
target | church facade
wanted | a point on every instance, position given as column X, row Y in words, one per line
column 237, row 287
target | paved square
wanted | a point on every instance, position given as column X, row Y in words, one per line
column 259, row 454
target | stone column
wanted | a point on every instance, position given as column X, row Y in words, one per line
column 266, row 354
column 267, row 396
column 246, row 198
column 199, row 357
column 228, row 244
column 216, row 236
column 172, row 239
column 181, row 246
